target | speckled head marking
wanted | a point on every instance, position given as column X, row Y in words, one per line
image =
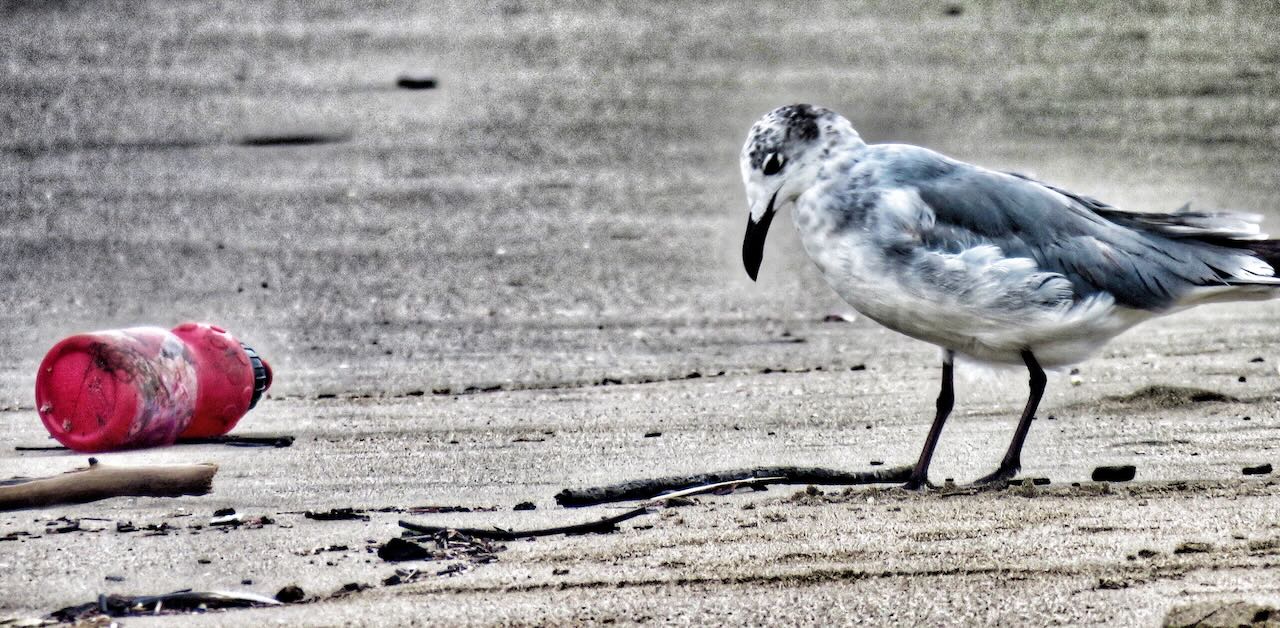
column 784, row 155
column 789, row 132
column 783, row 128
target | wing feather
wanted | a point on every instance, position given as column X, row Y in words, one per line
column 1144, row 261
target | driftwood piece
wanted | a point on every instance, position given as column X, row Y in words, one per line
column 599, row 526
column 100, row 481
column 645, row 489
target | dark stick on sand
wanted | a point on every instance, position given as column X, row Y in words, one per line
column 283, row 440
column 645, row 489
column 599, row 526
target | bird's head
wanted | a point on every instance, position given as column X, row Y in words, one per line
column 781, row 159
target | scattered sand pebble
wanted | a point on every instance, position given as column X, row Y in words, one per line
column 290, row 594
column 1114, row 473
column 411, row 80
column 1193, row 547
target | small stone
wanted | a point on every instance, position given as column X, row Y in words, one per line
column 247, row 581
column 1262, row 469
column 223, row 512
column 559, row 571
column 1147, row 553
column 352, row 587
column 204, row 561
column 652, row 434
column 416, row 81
column 398, row 549
column 114, row 578
column 1116, row 473
column 1193, row 547
column 525, row 506
column 876, row 463
column 290, row 594
column 1242, row 379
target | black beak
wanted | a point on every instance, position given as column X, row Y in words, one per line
column 753, row 243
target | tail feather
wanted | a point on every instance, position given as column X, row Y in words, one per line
column 1229, row 229
column 1250, row 268
column 1256, row 261
column 1255, row 278
column 1266, row 250
column 1222, row 228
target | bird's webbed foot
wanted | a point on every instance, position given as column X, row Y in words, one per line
column 921, row 484
column 998, row 477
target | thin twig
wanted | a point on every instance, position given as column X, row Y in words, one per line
column 599, row 526
column 644, row 489
column 608, row 524
column 283, row 440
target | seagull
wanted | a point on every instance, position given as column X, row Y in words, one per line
column 993, row 266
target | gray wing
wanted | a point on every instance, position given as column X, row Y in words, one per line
column 1144, row 261
column 1223, row 228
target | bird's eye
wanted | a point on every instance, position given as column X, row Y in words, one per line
column 772, row 164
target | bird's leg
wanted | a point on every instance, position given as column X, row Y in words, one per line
column 1013, row 457
column 946, row 399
